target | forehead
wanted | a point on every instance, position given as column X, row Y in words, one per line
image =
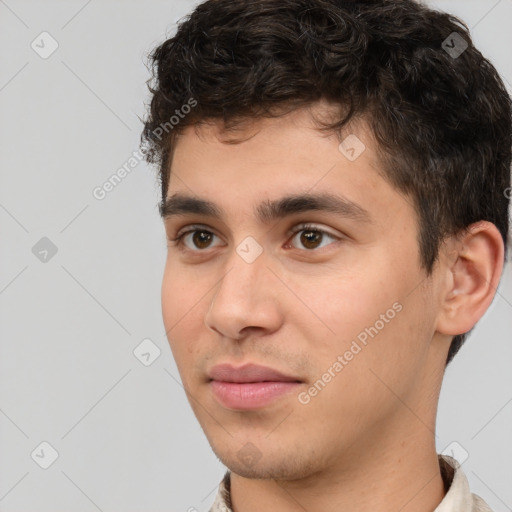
column 287, row 158
column 289, row 145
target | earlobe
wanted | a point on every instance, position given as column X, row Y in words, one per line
column 473, row 278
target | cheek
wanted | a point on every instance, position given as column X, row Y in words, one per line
column 358, row 371
column 344, row 304
column 172, row 289
column 181, row 310
column 182, row 293
column 375, row 315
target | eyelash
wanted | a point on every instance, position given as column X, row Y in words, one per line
column 178, row 241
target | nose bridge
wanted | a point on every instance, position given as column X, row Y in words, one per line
column 243, row 297
column 245, row 269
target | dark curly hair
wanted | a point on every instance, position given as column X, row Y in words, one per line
column 438, row 109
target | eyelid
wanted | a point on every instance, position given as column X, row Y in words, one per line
column 193, row 227
column 313, row 227
column 296, row 229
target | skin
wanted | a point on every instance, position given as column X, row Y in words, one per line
column 366, row 441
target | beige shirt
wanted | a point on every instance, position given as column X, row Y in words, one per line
column 457, row 499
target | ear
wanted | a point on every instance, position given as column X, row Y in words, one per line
column 472, row 271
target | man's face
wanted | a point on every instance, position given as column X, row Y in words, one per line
column 341, row 307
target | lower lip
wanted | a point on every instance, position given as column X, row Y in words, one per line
column 250, row 395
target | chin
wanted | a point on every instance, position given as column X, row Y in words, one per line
column 249, row 462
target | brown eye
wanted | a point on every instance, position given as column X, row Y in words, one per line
column 195, row 239
column 311, row 238
column 201, row 239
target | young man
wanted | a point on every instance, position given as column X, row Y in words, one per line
column 334, row 191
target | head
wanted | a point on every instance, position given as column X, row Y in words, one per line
column 257, row 107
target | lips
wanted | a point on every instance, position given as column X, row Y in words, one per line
column 250, row 386
column 248, row 373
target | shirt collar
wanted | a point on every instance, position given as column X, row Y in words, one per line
column 458, row 497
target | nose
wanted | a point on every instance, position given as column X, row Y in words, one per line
column 245, row 300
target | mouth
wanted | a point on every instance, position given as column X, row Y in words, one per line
column 250, row 386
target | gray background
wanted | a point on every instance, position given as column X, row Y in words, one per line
column 126, row 438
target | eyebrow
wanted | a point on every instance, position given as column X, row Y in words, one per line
column 267, row 211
